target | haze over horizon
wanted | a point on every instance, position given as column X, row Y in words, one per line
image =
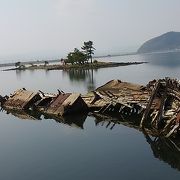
column 43, row 29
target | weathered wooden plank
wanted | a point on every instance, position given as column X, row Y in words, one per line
column 145, row 115
column 20, row 99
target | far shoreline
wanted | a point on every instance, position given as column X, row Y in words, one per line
column 10, row 64
column 95, row 65
column 58, row 60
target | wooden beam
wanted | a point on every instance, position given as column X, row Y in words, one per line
column 154, row 92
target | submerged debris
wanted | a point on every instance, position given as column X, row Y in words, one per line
column 157, row 104
column 166, row 117
column 64, row 104
column 21, row 100
column 59, row 105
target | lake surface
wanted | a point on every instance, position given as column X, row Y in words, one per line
column 84, row 147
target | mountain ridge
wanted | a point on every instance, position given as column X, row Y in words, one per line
column 165, row 42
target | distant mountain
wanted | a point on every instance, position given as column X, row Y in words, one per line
column 165, row 42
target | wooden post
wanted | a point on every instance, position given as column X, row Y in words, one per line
column 148, row 107
column 161, row 109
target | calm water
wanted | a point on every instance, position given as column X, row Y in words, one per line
column 84, row 147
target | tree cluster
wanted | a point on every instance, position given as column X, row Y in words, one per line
column 81, row 57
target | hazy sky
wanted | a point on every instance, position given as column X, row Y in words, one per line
column 50, row 28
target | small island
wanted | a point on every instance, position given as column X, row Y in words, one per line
column 77, row 59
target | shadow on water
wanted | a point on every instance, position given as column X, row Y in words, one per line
column 85, row 76
column 71, row 120
column 25, row 115
column 164, row 149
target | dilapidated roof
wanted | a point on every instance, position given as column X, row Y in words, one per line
column 21, row 99
column 116, row 91
column 63, row 103
column 119, row 85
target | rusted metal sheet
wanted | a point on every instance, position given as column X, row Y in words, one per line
column 21, row 99
column 58, row 101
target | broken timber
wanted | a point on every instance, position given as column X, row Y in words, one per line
column 65, row 104
column 21, row 100
column 59, row 105
column 157, row 103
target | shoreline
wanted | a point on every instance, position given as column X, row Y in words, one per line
column 11, row 63
column 96, row 65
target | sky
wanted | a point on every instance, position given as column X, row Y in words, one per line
column 45, row 29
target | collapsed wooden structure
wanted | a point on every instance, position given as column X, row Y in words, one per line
column 53, row 104
column 21, row 99
column 157, row 104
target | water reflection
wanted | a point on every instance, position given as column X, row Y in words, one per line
column 85, row 76
column 19, row 74
column 111, row 121
column 25, row 115
column 169, row 59
column 73, row 121
column 164, row 149
column 23, row 142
